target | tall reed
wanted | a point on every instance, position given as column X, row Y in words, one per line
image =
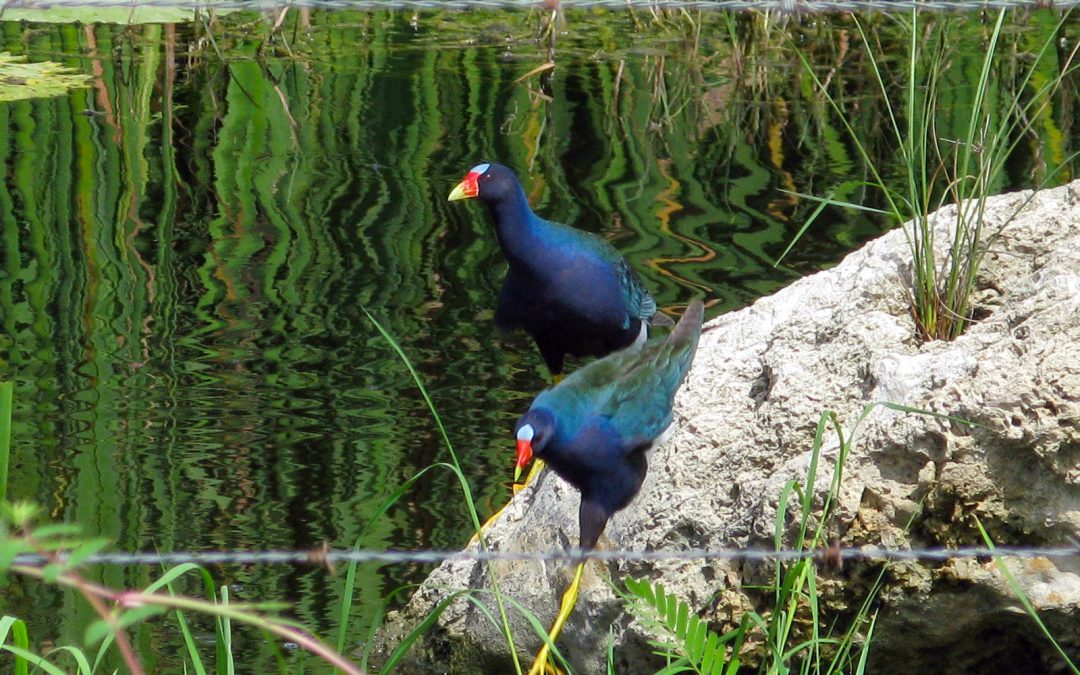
column 963, row 170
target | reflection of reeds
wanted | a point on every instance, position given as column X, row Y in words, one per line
column 667, row 266
column 210, row 244
column 7, row 394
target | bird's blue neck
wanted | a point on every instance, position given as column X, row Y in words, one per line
column 520, row 231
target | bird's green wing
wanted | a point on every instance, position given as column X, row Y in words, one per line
column 641, row 395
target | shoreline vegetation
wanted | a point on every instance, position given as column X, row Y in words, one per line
column 984, row 106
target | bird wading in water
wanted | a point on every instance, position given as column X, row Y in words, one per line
column 569, row 289
column 595, row 427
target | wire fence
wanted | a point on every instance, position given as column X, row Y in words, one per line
column 833, row 555
column 781, row 6
column 331, row 556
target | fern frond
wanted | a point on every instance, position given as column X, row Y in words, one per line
column 683, row 635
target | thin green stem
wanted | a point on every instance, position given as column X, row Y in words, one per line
column 466, row 490
column 234, row 612
column 7, row 396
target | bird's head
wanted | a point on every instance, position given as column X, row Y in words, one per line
column 488, row 182
column 535, row 430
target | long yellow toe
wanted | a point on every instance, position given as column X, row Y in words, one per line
column 566, row 608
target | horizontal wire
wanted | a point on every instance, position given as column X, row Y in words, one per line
column 783, row 6
column 833, row 555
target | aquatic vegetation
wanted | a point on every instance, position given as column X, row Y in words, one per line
column 956, row 141
column 20, row 79
column 188, row 242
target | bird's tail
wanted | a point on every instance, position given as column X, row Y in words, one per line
column 689, row 326
column 661, row 320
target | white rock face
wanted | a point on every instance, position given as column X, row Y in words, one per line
column 745, row 421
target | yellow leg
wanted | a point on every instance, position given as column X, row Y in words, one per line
column 492, row 519
column 534, row 471
column 555, row 379
column 566, row 607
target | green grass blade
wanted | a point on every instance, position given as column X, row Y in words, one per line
column 189, row 643
column 407, row 642
column 865, row 652
column 434, row 412
column 165, row 581
column 611, row 651
column 832, row 201
column 534, row 622
column 805, row 226
column 17, row 628
column 172, row 574
column 78, row 655
column 1018, row 591
column 365, row 654
column 225, row 636
column 30, row 657
column 7, row 396
column 822, row 203
column 350, row 572
column 466, row 490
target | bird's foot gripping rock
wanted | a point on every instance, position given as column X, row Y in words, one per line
column 537, row 467
column 566, row 607
column 534, row 471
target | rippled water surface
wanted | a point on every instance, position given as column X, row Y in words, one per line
column 190, row 242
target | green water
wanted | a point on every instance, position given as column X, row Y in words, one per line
column 188, row 245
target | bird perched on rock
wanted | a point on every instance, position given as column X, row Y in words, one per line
column 567, row 288
column 595, row 427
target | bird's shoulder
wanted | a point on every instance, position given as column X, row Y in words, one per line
column 637, row 300
column 579, row 240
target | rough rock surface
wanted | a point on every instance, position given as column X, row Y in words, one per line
column 745, row 422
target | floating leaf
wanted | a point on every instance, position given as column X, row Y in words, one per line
column 21, row 80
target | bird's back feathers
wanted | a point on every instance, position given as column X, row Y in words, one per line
column 633, row 388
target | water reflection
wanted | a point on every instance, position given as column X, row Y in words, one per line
column 185, row 273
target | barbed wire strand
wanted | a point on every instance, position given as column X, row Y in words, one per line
column 324, row 556
column 833, row 554
column 782, row 6
column 434, row 556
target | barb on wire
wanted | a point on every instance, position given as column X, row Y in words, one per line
column 832, row 555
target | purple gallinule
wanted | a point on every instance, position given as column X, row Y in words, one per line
column 567, row 288
column 595, row 427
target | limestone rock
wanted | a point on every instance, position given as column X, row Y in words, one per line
column 745, row 419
